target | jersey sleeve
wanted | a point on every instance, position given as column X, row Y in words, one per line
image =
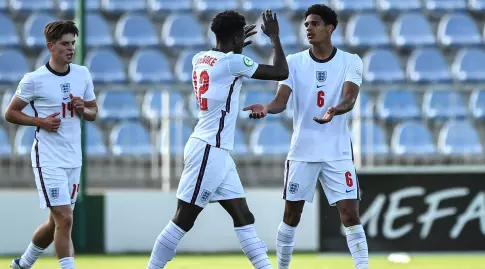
column 26, row 89
column 89, row 91
column 289, row 81
column 354, row 70
column 241, row 66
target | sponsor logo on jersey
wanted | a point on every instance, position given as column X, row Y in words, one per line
column 54, row 193
column 293, row 187
column 248, row 62
column 321, row 76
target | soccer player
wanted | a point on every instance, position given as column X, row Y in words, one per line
column 61, row 94
column 325, row 83
column 210, row 173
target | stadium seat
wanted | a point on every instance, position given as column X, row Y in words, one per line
column 105, row 66
column 149, row 66
column 135, row 30
column 7, row 96
column 300, row 6
column 353, row 6
column 443, row 104
column 395, row 6
column 288, row 35
column 366, row 30
column 458, row 138
column 240, row 144
column 372, row 139
column 3, row 5
column 269, row 139
column 31, row 6
column 213, row 6
column 34, row 30
column 383, row 66
column 130, row 139
column 182, row 31
column 152, row 107
column 412, row 30
column 8, row 32
column 118, row 105
column 427, row 65
column 168, row 6
column 179, row 135
column 98, row 32
column 122, row 6
column 412, row 139
column 24, row 139
column 183, row 66
column 444, row 5
column 458, row 29
column 42, row 58
column 469, row 65
column 13, row 66
column 69, row 6
column 250, row 97
column 366, row 106
column 397, row 105
column 476, row 5
column 94, row 140
column 211, row 38
column 477, row 104
column 5, row 147
column 256, row 6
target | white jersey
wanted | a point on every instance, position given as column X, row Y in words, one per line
column 217, row 79
column 47, row 91
column 316, row 85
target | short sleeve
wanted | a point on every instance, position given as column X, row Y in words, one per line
column 241, row 66
column 89, row 91
column 354, row 70
column 26, row 89
column 289, row 81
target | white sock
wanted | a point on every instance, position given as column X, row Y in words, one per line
column 31, row 255
column 285, row 242
column 358, row 246
column 67, row 263
column 254, row 248
column 165, row 246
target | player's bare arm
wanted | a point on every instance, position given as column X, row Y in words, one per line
column 275, row 106
column 279, row 70
column 351, row 91
column 88, row 109
column 15, row 115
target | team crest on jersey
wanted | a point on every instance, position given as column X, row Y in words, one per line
column 54, row 193
column 293, row 187
column 204, row 197
column 66, row 88
column 321, row 76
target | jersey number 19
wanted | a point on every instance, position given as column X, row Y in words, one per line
column 201, row 86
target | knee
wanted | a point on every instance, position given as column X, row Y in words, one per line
column 184, row 221
column 349, row 217
column 292, row 217
column 244, row 219
column 63, row 221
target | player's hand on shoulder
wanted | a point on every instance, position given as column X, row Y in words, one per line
column 77, row 103
column 51, row 123
column 248, row 32
column 257, row 111
column 270, row 26
column 327, row 117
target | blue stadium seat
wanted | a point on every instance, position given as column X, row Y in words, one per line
column 394, row 6
column 5, row 147
column 105, row 66
column 443, row 104
column 240, row 145
column 444, row 5
column 383, row 66
column 366, row 30
column 118, row 105
column 135, row 30
column 13, row 66
column 397, row 105
column 24, row 139
column 372, row 139
column 412, row 30
column 353, row 6
column 182, row 31
column 42, row 58
column 34, row 30
column 458, row 29
column 3, row 5
column 288, row 35
column 7, row 97
column 8, row 32
column 149, row 66
column 98, row 32
column 130, row 139
column 366, row 106
column 469, row 65
column 30, row 6
column 270, row 138
column 183, row 66
column 412, row 139
column 168, row 6
column 152, row 107
column 213, row 6
column 211, row 38
column 256, row 6
column 94, row 140
column 300, row 6
column 476, row 5
column 428, row 65
column 68, row 6
column 122, row 6
column 180, row 133
column 251, row 97
column 458, row 138
column 477, row 104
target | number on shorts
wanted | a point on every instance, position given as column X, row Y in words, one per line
column 201, row 87
column 348, row 179
column 75, row 188
column 320, row 99
column 67, row 107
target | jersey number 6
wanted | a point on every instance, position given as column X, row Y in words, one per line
column 348, row 179
column 201, row 87
column 320, row 100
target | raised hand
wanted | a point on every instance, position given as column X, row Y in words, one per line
column 327, row 117
column 248, row 32
column 77, row 103
column 257, row 111
column 51, row 123
column 270, row 24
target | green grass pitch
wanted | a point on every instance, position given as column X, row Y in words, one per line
column 303, row 261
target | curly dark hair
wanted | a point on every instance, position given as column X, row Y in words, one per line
column 56, row 29
column 328, row 15
column 226, row 24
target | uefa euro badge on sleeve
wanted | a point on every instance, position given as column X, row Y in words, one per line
column 248, row 62
column 321, row 76
column 66, row 89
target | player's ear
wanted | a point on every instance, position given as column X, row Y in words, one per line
column 330, row 28
column 50, row 45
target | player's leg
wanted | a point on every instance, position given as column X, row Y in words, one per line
column 300, row 179
column 341, row 187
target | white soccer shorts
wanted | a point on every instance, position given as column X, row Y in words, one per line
column 209, row 175
column 338, row 179
column 57, row 186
